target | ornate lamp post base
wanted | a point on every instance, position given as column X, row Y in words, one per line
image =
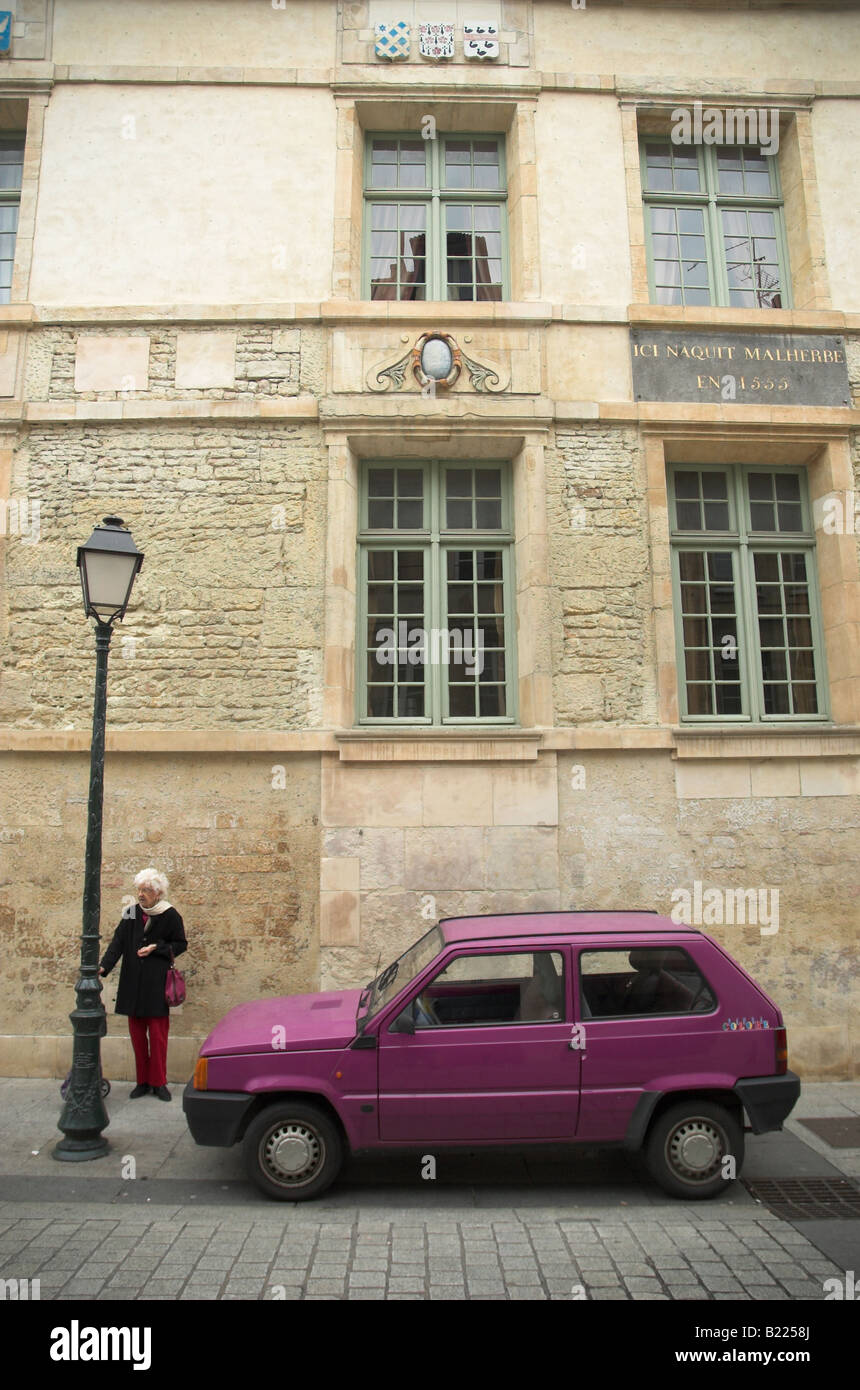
column 84, row 1115
column 78, row 1150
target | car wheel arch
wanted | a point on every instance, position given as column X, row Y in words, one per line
column 265, row 1099
column 652, row 1104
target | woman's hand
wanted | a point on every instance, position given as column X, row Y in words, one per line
column 147, row 950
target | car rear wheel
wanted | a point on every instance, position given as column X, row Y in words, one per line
column 293, row 1151
column 688, row 1147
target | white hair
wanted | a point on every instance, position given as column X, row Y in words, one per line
column 151, row 878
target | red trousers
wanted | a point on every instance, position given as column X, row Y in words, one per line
column 150, row 1055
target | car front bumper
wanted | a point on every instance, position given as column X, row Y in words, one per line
column 768, row 1100
column 216, row 1118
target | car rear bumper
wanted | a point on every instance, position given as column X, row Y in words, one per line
column 216, row 1118
column 768, row 1100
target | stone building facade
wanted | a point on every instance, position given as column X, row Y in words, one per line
column 202, row 334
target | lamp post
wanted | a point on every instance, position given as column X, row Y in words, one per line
column 108, row 564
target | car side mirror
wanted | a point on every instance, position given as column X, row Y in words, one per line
column 404, row 1023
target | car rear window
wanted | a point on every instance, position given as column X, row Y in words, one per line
column 642, row 980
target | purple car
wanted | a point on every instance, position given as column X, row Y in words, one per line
column 536, row 1028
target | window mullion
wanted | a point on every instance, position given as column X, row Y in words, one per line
column 435, row 581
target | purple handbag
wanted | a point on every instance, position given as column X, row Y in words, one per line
column 174, row 985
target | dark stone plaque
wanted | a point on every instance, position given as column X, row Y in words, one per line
column 746, row 368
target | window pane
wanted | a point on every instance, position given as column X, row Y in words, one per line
column 380, row 564
column 459, row 515
column 491, row 701
column 380, row 514
column 409, row 515
column 645, row 980
column 380, row 701
column 487, row 217
column 462, row 701
column 692, row 564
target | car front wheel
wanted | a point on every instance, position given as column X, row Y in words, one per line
column 293, row 1151
column 694, row 1149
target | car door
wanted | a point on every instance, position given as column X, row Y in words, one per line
column 490, row 1057
column 650, row 1020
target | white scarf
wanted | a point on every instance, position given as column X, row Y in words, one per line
column 155, row 911
column 157, row 908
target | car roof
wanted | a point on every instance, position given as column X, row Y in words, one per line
column 519, row 924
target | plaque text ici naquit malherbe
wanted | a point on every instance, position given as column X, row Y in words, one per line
column 751, row 368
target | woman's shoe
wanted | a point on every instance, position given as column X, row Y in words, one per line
column 162, row 1093
column 141, row 1090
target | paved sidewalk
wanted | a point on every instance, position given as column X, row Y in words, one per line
column 295, row 1252
column 523, row 1225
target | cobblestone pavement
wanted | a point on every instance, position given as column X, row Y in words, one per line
column 82, row 1251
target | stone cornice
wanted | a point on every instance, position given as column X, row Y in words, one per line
column 366, row 313
column 452, row 744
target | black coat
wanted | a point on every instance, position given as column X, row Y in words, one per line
column 142, row 978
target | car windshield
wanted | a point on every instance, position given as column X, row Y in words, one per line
column 400, row 973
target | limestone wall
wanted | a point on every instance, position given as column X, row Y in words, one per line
column 228, row 623
column 184, row 194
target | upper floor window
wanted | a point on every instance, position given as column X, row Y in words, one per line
column 746, row 608
column 435, row 218
column 11, row 170
column 436, row 607
column 714, row 226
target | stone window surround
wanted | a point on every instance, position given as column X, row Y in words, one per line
column 30, row 109
column 467, row 113
column 827, row 461
column 796, row 164
column 348, row 449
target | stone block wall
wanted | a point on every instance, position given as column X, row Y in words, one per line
column 228, row 627
column 599, row 568
column 243, row 364
column 239, row 846
column 627, row 839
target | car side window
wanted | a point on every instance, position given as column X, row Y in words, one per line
column 642, row 980
column 491, row 989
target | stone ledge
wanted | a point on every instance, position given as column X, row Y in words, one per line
column 268, row 408
column 365, row 312
column 442, row 745
column 767, row 743
column 375, row 745
column 759, row 320
column 180, row 74
column 169, row 741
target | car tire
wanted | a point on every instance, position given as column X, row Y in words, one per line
column 686, row 1146
column 293, row 1151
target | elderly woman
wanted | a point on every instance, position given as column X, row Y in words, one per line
column 147, row 937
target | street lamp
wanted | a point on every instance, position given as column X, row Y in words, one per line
column 108, row 564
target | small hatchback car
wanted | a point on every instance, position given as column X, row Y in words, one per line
column 589, row 1028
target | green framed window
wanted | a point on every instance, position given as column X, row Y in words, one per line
column 435, row 218
column 747, row 618
column 435, row 640
column 11, row 171
column 714, row 223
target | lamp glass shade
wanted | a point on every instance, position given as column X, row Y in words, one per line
column 108, row 581
column 108, row 564
column 437, row 359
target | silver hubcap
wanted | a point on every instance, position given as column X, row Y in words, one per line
column 694, row 1150
column 292, row 1154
